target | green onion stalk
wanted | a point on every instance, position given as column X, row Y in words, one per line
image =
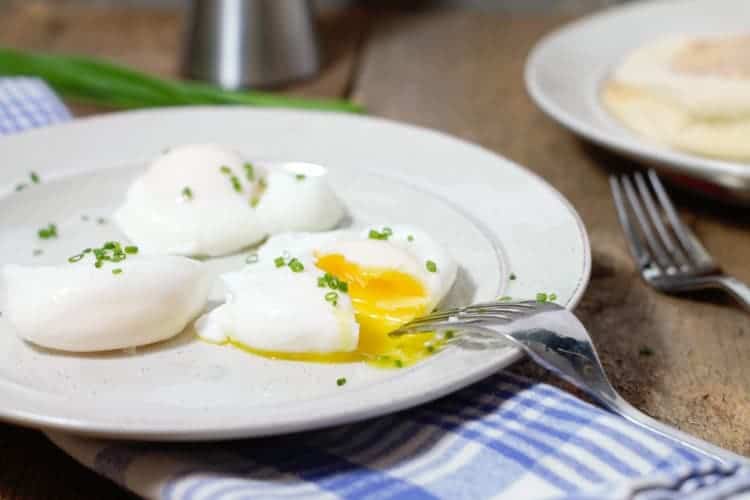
column 100, row 82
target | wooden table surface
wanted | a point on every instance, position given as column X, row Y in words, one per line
column 682, row 360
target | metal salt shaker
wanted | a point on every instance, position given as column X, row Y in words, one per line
column 250, row 43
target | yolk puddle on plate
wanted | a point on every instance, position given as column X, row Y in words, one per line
column 383, row 300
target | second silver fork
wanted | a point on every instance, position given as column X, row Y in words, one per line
column 669, row 255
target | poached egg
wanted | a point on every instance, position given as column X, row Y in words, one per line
column 334, row 296
column 80, row 307
column 207, row 200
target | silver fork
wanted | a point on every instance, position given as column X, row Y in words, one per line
column 555, row 339
column 669, row 255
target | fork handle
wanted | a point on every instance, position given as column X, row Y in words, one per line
column 736, row 289
column 632, row 414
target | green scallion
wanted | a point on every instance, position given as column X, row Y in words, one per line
column 249, row 171
column 48, row 232
column 34, row 177
column 431, row 266
column 340, row 381
column 187, row 193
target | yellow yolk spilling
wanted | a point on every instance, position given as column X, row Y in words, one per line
column 383, row 300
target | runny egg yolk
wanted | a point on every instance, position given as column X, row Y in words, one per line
column 383, row 300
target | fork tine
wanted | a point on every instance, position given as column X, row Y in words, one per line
column 662, row 260
column 671, row 246
column 637, row 250
column 689, row 240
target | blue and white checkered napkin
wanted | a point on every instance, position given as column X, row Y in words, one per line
column 506, row 437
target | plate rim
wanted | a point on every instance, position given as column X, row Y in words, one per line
column 509, row 355
column 672, row 160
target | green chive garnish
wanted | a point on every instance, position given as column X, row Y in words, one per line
column 117, row 271
column 410, row 238
column 249, row 171
column 449, row 334
column 552, row 296
column 340, row 381
column 505, row 298
column 34, row 177
column 48, row 232
column 225, row 170
column 296, row 266
column 300, row 177
column 398, row 363
column 430, row 348
column 279, row 261
column 541, row 297
column 332, row 297
column 512, row 276
column 75, row 258
column 236, row 183
column 383, row 234
column 431, row 266
column 131, row 249
column 20, row 187
column 187, row 193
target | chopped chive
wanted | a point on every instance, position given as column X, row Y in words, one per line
column 322, row 282
column 236, row 183
column 187, row 193
column 512, row 276
column 296, row 266
column 343, row 286
column 383, row 234
column 541, row 297
column 410, row 238
column 254, row 201
column 75, row 258
column 117, row 271
column 131, row 249
column 225, row 170
column 37, row 252
column 398, row 363
column 249, row 171
column 431, row 266
column 98, row 264
column 279, row 261
column 340, row 381
column 552, row 296
column 449, row 334
column 300, row 177
column 332, row 297
column 34, row 177
column 251, row 258
column 48, row 232
column 21, row 186
column 505, row 298
column 430, row 348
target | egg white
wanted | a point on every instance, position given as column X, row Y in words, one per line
column 78, row 307
column 224, row 211
column 270, row 308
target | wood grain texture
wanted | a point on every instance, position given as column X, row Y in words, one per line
column 462, row 72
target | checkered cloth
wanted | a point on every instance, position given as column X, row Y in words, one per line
column 505, row 437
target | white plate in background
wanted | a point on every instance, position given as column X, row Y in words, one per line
column 566, row 69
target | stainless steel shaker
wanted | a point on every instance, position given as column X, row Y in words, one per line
column 250, row 43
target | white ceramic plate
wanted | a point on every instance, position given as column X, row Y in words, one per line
column 566, row 69
column 494, row 216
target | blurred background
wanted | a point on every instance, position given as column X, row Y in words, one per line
column 488, row 5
